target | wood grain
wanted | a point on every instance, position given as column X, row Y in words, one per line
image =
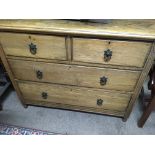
column 75, row 75
column 68, row 48
column 48, row 47
column 124, row 53
column 67, row 62
column 9, row 72
column 70, row 55
column 74, row 95
column 140, row 29
column 140, row 82
column 75, row 108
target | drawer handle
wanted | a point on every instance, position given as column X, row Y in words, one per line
column 33, row 48
column 44, row 95
column 103, row 80
column 107, row 55
column 99, row 102
column 39, row 74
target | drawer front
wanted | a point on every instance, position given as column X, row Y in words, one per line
column 70, row 95
column 123, row 53
column 75, row 75
column 35, row 46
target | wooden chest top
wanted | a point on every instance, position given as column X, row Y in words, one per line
column 140, row 29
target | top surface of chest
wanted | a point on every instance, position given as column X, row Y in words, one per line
column 141, row 29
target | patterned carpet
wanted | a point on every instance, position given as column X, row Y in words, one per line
column 6, row 129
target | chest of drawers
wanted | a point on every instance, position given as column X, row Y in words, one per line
column 90, row 67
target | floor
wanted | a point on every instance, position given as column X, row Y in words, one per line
column 69, row 122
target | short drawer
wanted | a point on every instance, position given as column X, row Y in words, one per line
column 75, row 75
column 34, row 46
column 96, row 98
column 112, row 52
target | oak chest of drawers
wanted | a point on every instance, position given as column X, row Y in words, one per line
column 90, row 67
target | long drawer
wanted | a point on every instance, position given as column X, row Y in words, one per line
column 69, row 95
column 113, row 52
column 75, row 75
column 35, row 46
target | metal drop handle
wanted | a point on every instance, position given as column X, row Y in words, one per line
column 99, row 102
column 107, row 55
column 103, row 80
column 44, row 95
column 33, row 48
column 39, row 74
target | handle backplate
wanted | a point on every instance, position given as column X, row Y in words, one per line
column 33, row 48
column 44, row 95
column 99, row 102
column 39, row 74
column 107, row 55
column 103, row 80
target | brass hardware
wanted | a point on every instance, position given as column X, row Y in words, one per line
column 99, row 102
column 39, row 74
column 44, row 95
column 33, row 48
column 103, row 80
column 107, row 55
